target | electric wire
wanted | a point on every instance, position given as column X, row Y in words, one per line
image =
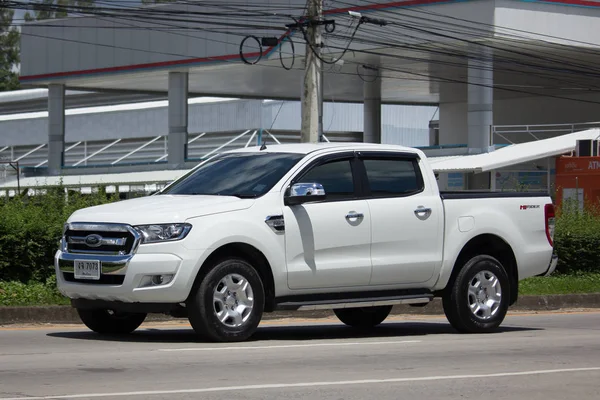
column 361, row 51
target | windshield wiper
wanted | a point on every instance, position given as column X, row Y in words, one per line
column 239, row 195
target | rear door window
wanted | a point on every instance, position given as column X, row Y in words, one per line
column 393, row 177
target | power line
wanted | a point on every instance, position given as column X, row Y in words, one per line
column 459, row 53
column 479, row 44
column 425, row 77
column 460, row 59
column 431, row 76
column 484, row 33
column 444, row 26
column 463, row 20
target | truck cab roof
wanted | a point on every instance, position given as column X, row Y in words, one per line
column 308, row 148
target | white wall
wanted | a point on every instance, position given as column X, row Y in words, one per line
column 453, row 123
column 100, row 123
column 405, row 125
column 545, row 110
column 560, row 23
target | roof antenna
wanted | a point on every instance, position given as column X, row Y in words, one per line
column 264, row 145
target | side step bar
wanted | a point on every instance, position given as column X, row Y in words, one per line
column 371, row 301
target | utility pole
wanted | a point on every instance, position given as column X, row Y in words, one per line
column 321, row 84
column 312, row 75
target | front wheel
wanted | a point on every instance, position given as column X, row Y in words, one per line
column 228, row 304
column 111, row 322
column 363, row 317
column 477, row 300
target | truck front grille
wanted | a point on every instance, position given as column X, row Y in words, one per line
column 100, row 239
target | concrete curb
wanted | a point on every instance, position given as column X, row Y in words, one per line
column 67, row 315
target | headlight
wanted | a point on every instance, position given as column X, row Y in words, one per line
column 163, row 232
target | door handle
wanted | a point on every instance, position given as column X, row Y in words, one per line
column 354, row 215
column 423, row 212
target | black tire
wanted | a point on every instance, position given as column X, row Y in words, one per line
column 203, row 308
column 363, row 317
column 111, row 323
column 456, row 298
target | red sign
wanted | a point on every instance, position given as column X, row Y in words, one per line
column 569, row 165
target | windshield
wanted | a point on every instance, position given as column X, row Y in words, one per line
column 245, row 175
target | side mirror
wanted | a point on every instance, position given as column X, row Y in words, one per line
column 301, row 193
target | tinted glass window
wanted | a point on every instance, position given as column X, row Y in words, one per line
column 392, row 177
column 236, row 174
column 336, row 178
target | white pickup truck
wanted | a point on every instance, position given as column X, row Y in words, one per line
column 355, row 228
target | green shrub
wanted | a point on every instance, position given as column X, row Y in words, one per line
column 31, row 294
column 31, row 228
column 577, row 240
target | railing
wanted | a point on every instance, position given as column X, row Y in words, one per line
column 130, row 151
column 520, row 133
column 127, row 151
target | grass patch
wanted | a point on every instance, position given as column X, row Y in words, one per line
column 574, row 283
column 31, row 294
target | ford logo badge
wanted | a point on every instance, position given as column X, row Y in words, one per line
column 93, row 240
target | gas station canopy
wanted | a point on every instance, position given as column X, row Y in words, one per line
column 426, row 44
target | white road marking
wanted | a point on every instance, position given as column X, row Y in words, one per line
column 305, row 384
column 287, row 346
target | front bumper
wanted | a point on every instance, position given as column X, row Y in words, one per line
column 552, row 265
column 126, row 278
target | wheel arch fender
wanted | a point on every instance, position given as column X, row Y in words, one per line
column 491, row 244
column 247, row 249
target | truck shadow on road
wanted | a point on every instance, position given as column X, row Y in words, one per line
column 298, row 333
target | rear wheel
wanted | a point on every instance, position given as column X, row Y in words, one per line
column 228, row 303
column 477, row 300
column 363, row 317
column 111, row 322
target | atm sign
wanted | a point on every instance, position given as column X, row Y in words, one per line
column 594, row 165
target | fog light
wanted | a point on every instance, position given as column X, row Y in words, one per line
column 161, row 279
column 156, row 280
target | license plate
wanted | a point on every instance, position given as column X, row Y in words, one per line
column 87, row 269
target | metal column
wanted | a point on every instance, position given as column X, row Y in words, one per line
column 56, row 128
column 372, row 108
column 480, row 98
column 178, row 119
column 480, row 105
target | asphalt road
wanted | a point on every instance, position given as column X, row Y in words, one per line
column 548, row 356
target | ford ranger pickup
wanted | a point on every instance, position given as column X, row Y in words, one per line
column 351, row 227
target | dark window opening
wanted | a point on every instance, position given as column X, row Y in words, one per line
column 391, row 177
column 336, row 178
column 245, row 175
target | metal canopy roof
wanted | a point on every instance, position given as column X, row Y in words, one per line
column 513, row 154
column 135, row 56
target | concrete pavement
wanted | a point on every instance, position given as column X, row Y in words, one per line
column 544, row 356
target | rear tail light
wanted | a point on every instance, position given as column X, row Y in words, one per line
column 550, row 218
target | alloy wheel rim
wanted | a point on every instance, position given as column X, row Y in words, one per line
column 233, row 300
column 484, row 295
